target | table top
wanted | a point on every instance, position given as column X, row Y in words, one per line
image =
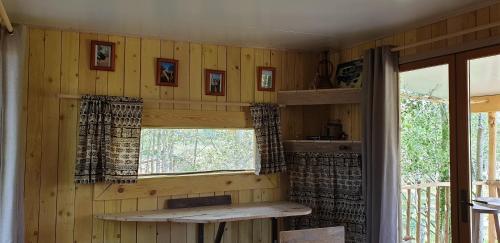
column 213, row 214
column 489, row 202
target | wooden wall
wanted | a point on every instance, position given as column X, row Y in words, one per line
column 57, row 210
column 350, row 115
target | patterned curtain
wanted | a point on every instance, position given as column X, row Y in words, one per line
column 266, row 122
column 109, row 139
column 331, row 184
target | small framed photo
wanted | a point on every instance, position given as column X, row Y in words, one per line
column 102, row 55
column 215, row 82
column 166, row 72
column 349, row 74
column 266, row 77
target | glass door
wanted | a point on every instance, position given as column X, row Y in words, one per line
column 427, row 205
column 479, row 77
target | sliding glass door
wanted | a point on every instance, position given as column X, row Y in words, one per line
column 479, row 82
column 449, row 115
column 426, row 205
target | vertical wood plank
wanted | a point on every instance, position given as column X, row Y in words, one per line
column 83, row 231
column 116, row 78
column 209, row 228
column 131, row 87
column 128, row 230
column 195, row 75
column 181, row 53
column 483, row 18
column 115, row 86
column 495, row 17
column 98, row 207
column 247, row 75
column 167, row 92
column 67, row 138
column 259, row 62
column 231, row 234
column 266, row 61
column 267, row 196
column 233, row 76
column 146, row 232
column 132, row 83
column 50, row 128
column 191, row 229
column 276, row 61
column 245, row 233
column 209, row 62
column 222, row 66
column 163, row 228
column 179, row 230
column 150, row 50
column 424, row 33
column 34, row 131
column 257, row 223
column 410, row 37
column 112, row 230
column 101, row 78
column 439, row 29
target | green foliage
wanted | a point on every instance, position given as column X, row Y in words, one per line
column 425, row 147
column 196, row 150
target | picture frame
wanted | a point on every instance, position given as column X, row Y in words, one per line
column 349, row 74
column 102, row 55
column 266, row 78
column 215, row 82
column 166, row 72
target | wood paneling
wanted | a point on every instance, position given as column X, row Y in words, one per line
column 189, row 184
column 57, row 210
column 350, row 115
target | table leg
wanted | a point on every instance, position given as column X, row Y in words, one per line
column 201, row 230
column 220, row 232
column 274, row 223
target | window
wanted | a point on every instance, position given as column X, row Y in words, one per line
column 178, row 151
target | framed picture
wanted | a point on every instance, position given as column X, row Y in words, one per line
column 215, row 82
column 166, row 72
column 102, row 55
column 349, row 74
column 266, row 77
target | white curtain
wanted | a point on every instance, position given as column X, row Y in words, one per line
column 12, row 134
column 381, row 144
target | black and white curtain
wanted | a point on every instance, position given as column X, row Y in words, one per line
column 332, row 185
column 109, row 139
column 267, row 122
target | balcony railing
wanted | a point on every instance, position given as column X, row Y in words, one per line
column 426, row 210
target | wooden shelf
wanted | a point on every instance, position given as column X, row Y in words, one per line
column 322, row 145
column 320, row 96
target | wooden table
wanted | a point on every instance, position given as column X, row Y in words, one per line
column 489, row 202
column 216, row 214
column 488, row 206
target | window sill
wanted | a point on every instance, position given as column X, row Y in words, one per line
column 191, row 174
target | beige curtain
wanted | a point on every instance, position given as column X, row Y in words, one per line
column 12, row 134
column 381, row 144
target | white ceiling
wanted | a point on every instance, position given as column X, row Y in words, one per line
column 297, row 24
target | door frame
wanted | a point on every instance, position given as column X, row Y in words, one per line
column 459, row 108
column 454, row 165
column 462, row 118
